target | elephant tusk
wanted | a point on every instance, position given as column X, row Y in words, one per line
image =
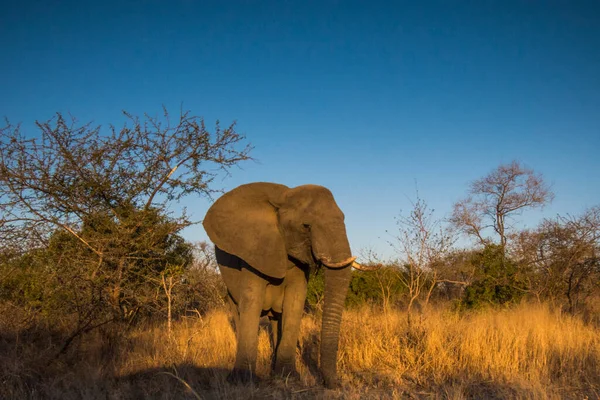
column 340, row 264
column 365, row 267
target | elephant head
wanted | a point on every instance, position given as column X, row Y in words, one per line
column 267, row 224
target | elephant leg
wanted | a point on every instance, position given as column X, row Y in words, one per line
column 250, row 305
column 235, row 315
column 275, row 331
column 291, row 317
column 275, row 335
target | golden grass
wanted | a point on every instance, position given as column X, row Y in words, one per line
column 527, row 352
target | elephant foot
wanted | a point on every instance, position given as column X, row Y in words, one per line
column 331, row 382
column 241, row 376
column 286, row 371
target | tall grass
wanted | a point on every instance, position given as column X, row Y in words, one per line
column 527, row 352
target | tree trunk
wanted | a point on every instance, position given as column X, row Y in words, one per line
column 116, row 291
column 168, row 288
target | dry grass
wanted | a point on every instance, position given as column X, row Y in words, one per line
column 528, row 352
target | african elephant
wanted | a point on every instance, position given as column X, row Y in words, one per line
column 267, row 237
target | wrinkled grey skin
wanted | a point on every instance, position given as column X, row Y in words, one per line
column 267, row 237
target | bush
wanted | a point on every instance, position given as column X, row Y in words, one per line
column 497, row 283
column 315, row 289
column 380, row 287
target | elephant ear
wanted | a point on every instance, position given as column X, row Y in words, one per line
column 243, row 222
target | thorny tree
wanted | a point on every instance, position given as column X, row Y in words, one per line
column 495, row 198
column 108, row 193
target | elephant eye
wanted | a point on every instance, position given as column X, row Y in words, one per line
column 306, row 226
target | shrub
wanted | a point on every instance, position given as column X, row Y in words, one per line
column 497, row 282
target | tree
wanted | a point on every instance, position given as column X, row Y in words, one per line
column 455, row 271
column 562, row 258
column 203, row 288
column 491, row 203
column 498, row 196
column 106, row 196
column 421, row 242
column 169, row 278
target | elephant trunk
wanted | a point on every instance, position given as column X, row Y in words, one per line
column 336, row 287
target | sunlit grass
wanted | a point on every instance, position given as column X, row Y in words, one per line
column 527, row 352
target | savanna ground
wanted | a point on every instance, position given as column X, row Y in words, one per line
column 530, row 351
column 93, row 264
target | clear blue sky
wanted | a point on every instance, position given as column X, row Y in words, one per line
column 363, row 97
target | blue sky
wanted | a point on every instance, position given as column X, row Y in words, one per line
column 366, row 98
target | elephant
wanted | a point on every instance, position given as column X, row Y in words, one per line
column 267, row 238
